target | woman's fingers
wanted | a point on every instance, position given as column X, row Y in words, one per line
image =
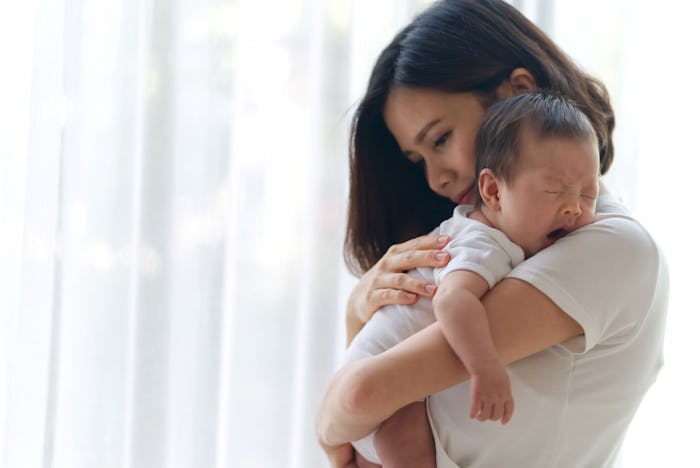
column 387, row 283
column 414, row 259
column 426, row 242
column 409, row 284
column 413, row 254
column 382, row 297
column 400, row 288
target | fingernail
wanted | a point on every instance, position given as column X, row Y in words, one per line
column 441, row 240
column 409, row 296
column 440, row 256
column 430, row 288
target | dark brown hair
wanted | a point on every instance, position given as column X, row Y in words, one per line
column 453, row 46
column 545, row 114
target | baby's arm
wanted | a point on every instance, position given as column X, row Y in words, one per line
column 462, row 318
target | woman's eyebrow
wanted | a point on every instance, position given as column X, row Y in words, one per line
column 424, row 130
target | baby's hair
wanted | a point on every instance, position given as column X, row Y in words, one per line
column 544, row 114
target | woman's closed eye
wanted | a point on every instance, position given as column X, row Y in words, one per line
column 441, row 140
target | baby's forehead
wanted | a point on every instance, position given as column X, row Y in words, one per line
column 558, row 157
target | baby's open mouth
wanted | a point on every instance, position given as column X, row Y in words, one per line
column 557, row 234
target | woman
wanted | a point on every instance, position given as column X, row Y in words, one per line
column 580, row 324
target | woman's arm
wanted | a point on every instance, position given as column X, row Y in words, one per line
column 523, row 321
column 388, row 283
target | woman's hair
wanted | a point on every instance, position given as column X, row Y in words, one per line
column 453, row 46
column 544, row 114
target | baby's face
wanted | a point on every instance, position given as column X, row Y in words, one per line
column 553, row 192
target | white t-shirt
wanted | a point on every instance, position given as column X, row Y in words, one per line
column 573, row 401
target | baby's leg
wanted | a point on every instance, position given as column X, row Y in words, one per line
column 405, row 439
column 362, row 462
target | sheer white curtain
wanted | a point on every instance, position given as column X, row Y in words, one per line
column 172, row 196
column 173, row 179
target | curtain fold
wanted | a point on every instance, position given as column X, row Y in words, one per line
column 29, row 404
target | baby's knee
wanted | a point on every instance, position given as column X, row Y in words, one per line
column 362, row 462
column 393, row 456
column 405, row 440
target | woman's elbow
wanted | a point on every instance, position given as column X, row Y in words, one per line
column 356, row 390
column 349, row 401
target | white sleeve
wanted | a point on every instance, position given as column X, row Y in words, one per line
column 603, row 275
column 483, row 250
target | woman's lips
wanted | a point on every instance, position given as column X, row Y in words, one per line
column 465, row 197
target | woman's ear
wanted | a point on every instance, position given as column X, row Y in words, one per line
column 519, row 81
column 489, row 189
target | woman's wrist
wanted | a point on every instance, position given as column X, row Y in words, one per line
column 353, row 325
column 353, row 314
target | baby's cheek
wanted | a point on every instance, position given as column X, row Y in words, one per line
column 587, row 218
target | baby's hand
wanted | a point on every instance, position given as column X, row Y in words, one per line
column 491, row 395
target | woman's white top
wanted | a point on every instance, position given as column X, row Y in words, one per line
column 574, row 401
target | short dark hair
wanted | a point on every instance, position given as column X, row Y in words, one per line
column 544, row 114
column 453, row 46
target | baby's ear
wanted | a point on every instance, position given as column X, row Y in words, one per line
column 489, row 189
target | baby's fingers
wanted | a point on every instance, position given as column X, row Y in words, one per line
column 481, row 410
column 509, row 408
column 475, row 409
column 502, row 410
column 498, row 411
column 485, row 410
column 477, row 405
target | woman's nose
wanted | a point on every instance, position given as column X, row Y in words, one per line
column 439, row 177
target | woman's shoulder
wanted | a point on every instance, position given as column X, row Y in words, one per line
column 615, row 234
column 610, row 206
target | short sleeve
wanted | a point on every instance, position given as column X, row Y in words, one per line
column 602, row 275
column 478, row 248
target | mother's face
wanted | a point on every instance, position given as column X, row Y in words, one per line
column 438, row 130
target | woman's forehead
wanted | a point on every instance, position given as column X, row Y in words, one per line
column 408, row 110
column 407, row 97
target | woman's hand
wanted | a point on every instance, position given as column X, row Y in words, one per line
column 388, row 283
